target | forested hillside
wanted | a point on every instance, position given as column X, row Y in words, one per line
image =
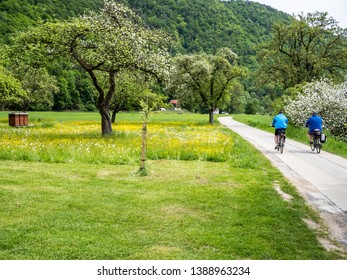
column 207, row 25
column 198, row 25
column 195, row 25
column 17, row 15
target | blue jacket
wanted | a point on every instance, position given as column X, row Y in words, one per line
column 314, row 122
column 280, row 122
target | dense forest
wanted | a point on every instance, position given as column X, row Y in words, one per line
column 196, row 26
column 209, row 25
column 18, row 15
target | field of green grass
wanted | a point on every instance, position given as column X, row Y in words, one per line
column 68, row 193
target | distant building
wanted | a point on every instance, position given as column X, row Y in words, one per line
column 175, row 103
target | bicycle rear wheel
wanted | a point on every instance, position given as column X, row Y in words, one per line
column 280, row 143
column 318, row 146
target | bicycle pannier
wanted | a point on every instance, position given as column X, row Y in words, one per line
column 323, row 138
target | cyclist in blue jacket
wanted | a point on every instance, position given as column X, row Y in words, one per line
column 314, row 122
column 280, row 122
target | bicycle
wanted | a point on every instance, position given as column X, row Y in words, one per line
column 281, row 140
column 316, row 144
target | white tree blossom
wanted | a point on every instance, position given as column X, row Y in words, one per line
column 328, row 100
column 104, row 44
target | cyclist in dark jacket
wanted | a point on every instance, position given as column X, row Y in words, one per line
column 280, row 122
column 314, row 122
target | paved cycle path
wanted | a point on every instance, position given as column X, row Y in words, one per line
column 320, row 178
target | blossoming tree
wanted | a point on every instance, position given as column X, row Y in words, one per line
column 103, row 44
column 205, row 79
column 329, row 100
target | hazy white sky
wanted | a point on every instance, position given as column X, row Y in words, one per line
column 335, row 8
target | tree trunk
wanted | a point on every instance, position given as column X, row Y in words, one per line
column 106, row 123
column 211, row 116
column 113, row 118
column 103, row 102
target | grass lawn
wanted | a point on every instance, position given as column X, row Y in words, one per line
column 69, row 116
column 204, row 197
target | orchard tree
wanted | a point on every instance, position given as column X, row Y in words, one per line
column 39, row 85
column 132, row 89
column 40, row 88
column 329, row 100
column 205, row 80
column 103, row 44
column 12, row 95
column 311, row 47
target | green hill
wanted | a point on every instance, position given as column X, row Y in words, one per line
column 198, row 25
column 17, row 15
column 206, row 25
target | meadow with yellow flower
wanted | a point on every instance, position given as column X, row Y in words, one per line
column 66, row 192
column 81, row 142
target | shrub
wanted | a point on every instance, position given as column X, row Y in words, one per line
column 328, row 100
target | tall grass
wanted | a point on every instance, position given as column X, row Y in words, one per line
column 81, row 142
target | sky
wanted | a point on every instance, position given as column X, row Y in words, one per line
column 335, row 8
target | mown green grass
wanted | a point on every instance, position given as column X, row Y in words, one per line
column 68, row 116
column 332, row 145
column 182, row 210
column 220, row 206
